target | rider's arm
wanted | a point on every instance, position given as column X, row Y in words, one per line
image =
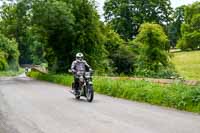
column 73, row 66
column 88, row 66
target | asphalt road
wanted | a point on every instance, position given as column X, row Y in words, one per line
column 30, row 106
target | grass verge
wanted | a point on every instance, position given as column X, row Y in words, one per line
column 11, row 73
column 177, row 96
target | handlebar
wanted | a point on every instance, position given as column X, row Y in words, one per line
column 70, row 71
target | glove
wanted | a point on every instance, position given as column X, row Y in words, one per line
column 73, row 71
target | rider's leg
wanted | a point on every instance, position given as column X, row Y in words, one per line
column 76, row 84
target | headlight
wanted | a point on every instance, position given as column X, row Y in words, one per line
column 87, row 77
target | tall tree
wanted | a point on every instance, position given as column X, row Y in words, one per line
column 70, row 26
column 16, row 23
column 88, row 33
column 126, row 16
column 190, row 29
column 174, row 28
column 56, row 20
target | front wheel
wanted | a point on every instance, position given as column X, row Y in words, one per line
column 77, row 97
column 90, row 93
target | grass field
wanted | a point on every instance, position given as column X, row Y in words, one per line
column 188, row 64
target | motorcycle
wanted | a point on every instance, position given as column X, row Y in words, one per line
column 85, row 86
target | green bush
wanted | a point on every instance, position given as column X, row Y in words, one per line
column 120, row 55
column 3, row 62
column 10, row 53
column 123, row 60
column 8, row 73
column 63, row 79
column 189, row 41
column 153, row 57
column 182, row 44
column 177, row 96
column 166, row 73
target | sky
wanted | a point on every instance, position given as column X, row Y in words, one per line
column 175, row 3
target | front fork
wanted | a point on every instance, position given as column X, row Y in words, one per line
column 88, row 83
column 82, row 88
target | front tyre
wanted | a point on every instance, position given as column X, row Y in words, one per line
column 90, row 93
column 77, row 97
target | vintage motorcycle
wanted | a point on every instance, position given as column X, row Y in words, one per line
column 85, row 86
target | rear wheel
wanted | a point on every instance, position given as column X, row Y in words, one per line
column 90, row 93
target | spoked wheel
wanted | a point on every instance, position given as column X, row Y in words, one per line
column 90, row 93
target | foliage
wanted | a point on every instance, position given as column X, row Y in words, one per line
column 113, row 40
column 63, row 79
column 56, row 20
column 36, row 43
column 9, row 73
column 3, row 61
column 9, row 53
column 153, row 45
column 120, row 54
column 123, row 60
column 177, row 96
column 190, row 29
column 126, row 16
column 16, row 23
column 70, row 26
column 89, row 37
column 174, row 28
column 187, row 64
column 53, row 31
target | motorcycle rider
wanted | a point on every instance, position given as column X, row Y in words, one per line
column 79, row 65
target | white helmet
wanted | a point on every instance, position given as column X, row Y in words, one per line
column 79, row 56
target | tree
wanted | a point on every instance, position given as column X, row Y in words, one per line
column 153, row 44
column 190, row 29
column 69, row 27
column 9, row 54
column 15, row 23
column 56, row 20
column 120, row 55
column 126, row 16
column 89, row 37
column 54, row 30
column 174, row 28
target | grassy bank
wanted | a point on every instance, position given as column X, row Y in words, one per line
column 11, row 73
column 176, row 96
column 188, row 64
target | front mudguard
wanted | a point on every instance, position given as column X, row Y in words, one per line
column 73, row 86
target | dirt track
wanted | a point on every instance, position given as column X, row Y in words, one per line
column 29, row 106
